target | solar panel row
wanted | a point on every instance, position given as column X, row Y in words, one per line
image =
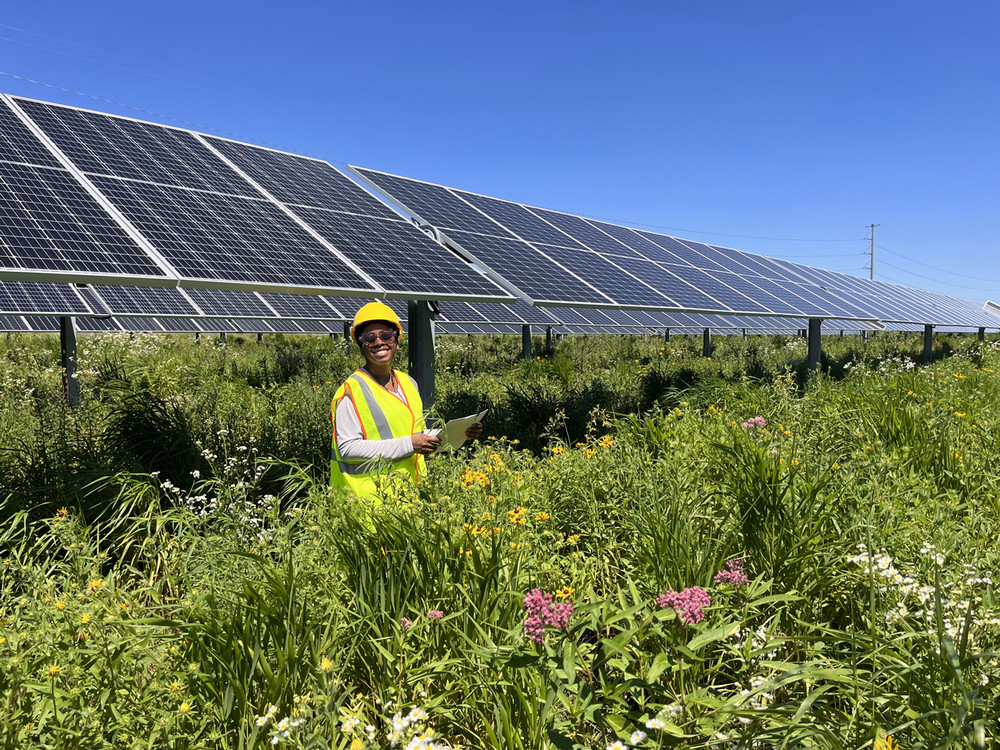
column 94, row 197
column 557, row 258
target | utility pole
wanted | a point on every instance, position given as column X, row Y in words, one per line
column 871, row 264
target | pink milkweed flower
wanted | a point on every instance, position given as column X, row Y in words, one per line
column 406, row 623
column 689, row 604
column 435, row 614
column 732, row 573
column 542, row 613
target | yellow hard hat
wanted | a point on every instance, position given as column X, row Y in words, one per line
column 375, row 311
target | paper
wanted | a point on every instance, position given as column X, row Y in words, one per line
column 453, row 433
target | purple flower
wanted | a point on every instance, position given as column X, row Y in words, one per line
column 406, row 623
column 435, row 614
column 689, row 604
column 542, row 613
column 732, row 573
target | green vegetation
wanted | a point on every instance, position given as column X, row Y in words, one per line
column 648, row 549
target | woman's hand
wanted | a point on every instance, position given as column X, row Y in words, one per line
column 474, row 431
column 424, row 444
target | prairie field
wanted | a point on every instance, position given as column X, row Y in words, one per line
column 647, row 549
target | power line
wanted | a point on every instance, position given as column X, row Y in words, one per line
column 935, row 268
column 938, row 281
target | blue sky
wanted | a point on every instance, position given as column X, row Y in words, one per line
column 774, row 126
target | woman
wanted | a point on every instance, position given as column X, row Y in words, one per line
column 378, row 417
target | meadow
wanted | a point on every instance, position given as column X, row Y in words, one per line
column 647, row 549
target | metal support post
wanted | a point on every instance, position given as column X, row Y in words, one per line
column 666, row 336
column 525, row 342
column 815, row 345
column 928, row 344
column 223, row 336
column 67, row 341
column 197, row 337
column 260, row 337
column 420, row 329
column 982, row 333
column 548, row 339
column 706, row 343
column 347, row 330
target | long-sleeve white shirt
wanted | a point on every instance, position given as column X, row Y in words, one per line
column 352, row 444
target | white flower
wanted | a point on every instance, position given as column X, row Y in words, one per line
column 417, row 714
column 656, row 723
column 637, row 736
column 617, row 745
column 349, row 723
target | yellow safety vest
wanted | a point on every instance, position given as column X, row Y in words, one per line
column 383, row 416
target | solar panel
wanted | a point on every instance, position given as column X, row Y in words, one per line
column 540, row 278
column 225, row 238
column 226, row 303
column 42, row 323
column 302, row 306
column 144, row 301
column 49, row 222
column 24, row 297
column 19, row 145
column 13, row 323
column 101, row 144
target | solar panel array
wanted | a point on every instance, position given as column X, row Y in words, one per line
column 553, row 258
column 182, row 227
column 86, row 196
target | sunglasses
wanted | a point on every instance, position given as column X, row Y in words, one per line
column 372, row 336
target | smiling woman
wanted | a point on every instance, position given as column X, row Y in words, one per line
column 378, row 416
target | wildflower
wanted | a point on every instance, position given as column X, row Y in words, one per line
column 62, row 512
column 606, row 442
column 542, row 517
column 656, row 723
column 94, row 586
column 60, row 605
column 542, row 613
column 325, row 664
column 184, row 708
column 54, row 671
column 617, row 745
column 886, row 744
column 349, row 723
column 356, row 744
column 417, row 714
column 85, row 618
column 435, row 614
column 565, row 592
column 175, row 687
column 406, row 623
column 637, row 737
column 732, row 573
column 689, row 604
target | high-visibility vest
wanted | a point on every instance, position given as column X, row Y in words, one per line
column 383, row 416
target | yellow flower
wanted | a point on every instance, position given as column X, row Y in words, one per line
column 565, row 592
column 886, row 744
column 95, row 585
column 175, row 687
column 606, row 442
column 960, row 414
column 60, row 605
column 542, row 517
column 53, row 671
column 184, row 708
column 589, row 452
column 62, row 512
column 573, row 538
column 325, row 664
column 85, row 618
column 515, row 545
column 2, row 639
column 357, row 744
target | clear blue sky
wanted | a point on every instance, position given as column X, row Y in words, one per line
column 783, row 127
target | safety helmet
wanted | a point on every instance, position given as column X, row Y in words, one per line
column 375, row 311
